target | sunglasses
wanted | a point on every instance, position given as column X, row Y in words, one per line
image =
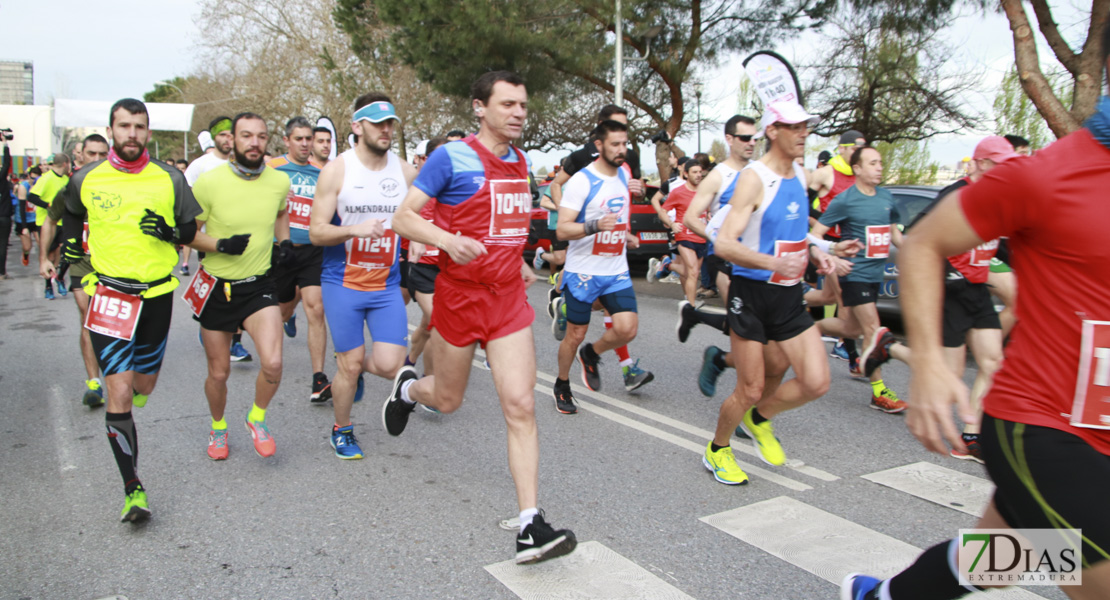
column 743, row 138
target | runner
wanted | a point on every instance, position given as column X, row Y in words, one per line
column 594, row 216
column 135, row 207
column 423, row 270
column 691, row 246
column 28, row 231
column 321, row 147
column 481, row 224
column 659, row 269
column 765, row 295
column 352, row 217
column 41, row 195
column 302, row 277
column 866, row 212
column 8, row 206
column 1044, row 437
column 94, row 149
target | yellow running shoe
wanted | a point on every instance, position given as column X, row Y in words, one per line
column 135, row 507
column 723, row 465
column 763, row 436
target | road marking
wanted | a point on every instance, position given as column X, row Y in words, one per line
column 822, row 543
column 591, row 571
column 944, row 486
column 743, row 445
column 63, row 430
column 699, row 449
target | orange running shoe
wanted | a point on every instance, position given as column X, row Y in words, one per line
column 263, row 441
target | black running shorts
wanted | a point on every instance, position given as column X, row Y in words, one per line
column 305, row 272
column 763, row 312
column 967, row 306
column 144, row 352
column 1048, row 478
column 855, row 293
column 248, row 296
column 422, row 278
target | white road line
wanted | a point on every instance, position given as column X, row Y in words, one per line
column 743, row 445
column 64, row 429
column 682, row 442
column 944, row 486
column 822, row 543
column 591, row 571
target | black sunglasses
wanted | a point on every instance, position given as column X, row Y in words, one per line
column 743, row 138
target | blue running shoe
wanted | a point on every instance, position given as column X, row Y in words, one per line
column 538, row 261
column 360, row 389
column 62, row 291
column 838, row 351
column 49, row 293
column 857, row 586
column 344, row 442
column 707, row 379
column 239, row 353
column 290, row 326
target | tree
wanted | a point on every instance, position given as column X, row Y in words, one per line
column 907, row 163
column 1084, row 67
column 564, row 49
column 718, row 150
column 168, row 145
column 1015, row 114
column 889, row 85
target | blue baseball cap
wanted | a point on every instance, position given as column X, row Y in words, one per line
column 376, row 112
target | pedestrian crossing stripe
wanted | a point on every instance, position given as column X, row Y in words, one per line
column 946, row 487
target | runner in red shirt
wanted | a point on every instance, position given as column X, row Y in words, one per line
column 423, row 269
column 691, row 246
column 483, row 209
column 1046, row 429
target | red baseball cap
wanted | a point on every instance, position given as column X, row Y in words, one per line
column 995, row 148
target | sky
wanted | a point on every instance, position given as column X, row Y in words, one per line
column 157, row 43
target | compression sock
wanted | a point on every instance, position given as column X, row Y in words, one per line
column 932, row 575
column 219, row 425
column 719, row 361
column 256, row 415
column 850, row 348
column 237, row 337
column 622, row 352
column 125, row 447
column 877, row 387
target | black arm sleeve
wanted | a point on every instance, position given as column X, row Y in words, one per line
column 1003, row 253
column 186, row 232
column 39, row 202
column 6, row 167
column 73, row 225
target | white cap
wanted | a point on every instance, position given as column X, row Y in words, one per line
column 784, row 111
column 422, row 148
column 205, row 140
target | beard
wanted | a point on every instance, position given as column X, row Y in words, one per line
column 246, row 162
column 614, row 162
column 130, row 153
column 375, row 150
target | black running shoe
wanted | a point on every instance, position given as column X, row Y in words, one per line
column 395, row 411
column 564, row 400
column 687, row 318
column 539, row 542
column 591, row 377
column 877, row 351
column 321, row 389
column 552, row 294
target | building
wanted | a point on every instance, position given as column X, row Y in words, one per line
column 17, row 83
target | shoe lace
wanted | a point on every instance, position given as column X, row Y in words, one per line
column 889, row 394
column 219, row 439
column 261, row 431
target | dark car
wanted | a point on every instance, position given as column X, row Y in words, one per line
column 910, row 199
column 645, row 225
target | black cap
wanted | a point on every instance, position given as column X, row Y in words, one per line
column 849, row 137
column 684, row 160
column 824, row 156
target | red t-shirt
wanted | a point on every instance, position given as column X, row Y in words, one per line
column 679, row 200
column 1053, row 207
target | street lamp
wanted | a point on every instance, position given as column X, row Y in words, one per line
column 698, row 87
column 619, row 30
column 185, row 134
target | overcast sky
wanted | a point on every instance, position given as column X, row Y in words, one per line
column 108, row 49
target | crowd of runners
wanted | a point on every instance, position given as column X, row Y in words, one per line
column 354, row 237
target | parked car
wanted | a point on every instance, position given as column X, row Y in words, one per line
column 910, row 199
column 645, row 224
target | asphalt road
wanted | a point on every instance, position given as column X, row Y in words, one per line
column 419, row 516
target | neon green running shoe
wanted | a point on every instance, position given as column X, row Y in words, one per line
column 763, row 436
column 723, row 466
column 135, row 507
column 138, row 400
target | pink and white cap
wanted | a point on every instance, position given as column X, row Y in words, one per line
column 785, row 111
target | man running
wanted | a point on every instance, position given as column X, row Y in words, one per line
column 321, row 147
column 352, row 217
column 233, row 289
column 28, row 231
column 93, row 149
column 483, row 205
column 135, row 206
column 691, row 246
column 423, row 271
column 866, row 212
column 594, row 215
column 764, row 237
column 1044, row 436
column 9, row 205
column 303, row 274
column 42, row 194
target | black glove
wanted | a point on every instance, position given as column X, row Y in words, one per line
column 286, row 255
column 154, row 225
column 235, row 244
column 72, row 251
column 661, row 137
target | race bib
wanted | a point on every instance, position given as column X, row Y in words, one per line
column 783, row 248
column 368, row 254
column 610, row 243
column 299, row 209
column 85, row 238
column 511, row 209
column 878, row 241
column 113, row 313
column 1092, row 391
column 200, row 289
column 982, row 254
